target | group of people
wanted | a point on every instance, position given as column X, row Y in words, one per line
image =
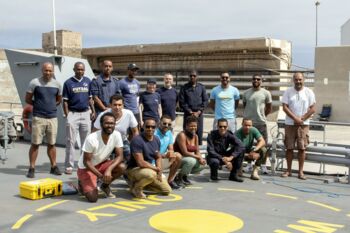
column 127, row 133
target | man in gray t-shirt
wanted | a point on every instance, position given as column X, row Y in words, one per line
column 257, row 102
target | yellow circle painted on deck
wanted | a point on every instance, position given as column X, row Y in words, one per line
column 195, row 221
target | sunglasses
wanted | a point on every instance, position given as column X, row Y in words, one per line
column 166, row 124
column 150, row 126
column 256, row 79
column 224, row 77
column 192, row 75
column 222, row 126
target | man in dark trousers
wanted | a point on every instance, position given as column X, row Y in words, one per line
column 224, row 148
column 193, row 100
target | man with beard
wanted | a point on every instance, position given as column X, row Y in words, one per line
column 224, row 100
column 224, row 148
column 257, row 102
column 103, row 87
column 299, row 105
column 94, row 163
column 193, row 100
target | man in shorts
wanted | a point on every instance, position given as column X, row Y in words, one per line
column 45, row 94
column 94, row 164
column 299, row 105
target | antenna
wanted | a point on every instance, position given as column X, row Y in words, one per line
column 54, row 28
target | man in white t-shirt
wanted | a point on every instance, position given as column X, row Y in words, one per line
column 94, row 164
column 125, row 123
column 299, row 105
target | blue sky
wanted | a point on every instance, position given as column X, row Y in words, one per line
column 116, row 22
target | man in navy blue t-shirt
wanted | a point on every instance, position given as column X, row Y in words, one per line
column 103, row 87
column 79, row 111
column 44, row 93
column 168, row 97
column 150, row 102
column 145, row 166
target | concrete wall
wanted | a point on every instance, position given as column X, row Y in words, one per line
column 332, row 81
column 345, row 33
column 68, row 43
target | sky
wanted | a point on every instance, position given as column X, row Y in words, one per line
column 127, row 22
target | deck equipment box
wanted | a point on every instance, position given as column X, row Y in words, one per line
column 38, row 189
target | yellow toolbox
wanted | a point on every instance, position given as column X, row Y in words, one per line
column 38, row 189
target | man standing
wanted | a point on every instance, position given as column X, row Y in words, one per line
column 248, row 134
column 170, row 159
column 299, row 105
column 145, row 166
column 168, row 97
column 76, row 103
column 45, row 94
column 224, row 100
column 94, row 163
column 193, row 100
column 224, row 148
column 103, row 87
column 257, row 104
column 130, row 88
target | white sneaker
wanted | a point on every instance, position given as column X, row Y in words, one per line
column 248, row 168
column 264, row 169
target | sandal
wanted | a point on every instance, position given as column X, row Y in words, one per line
column 286, row 174
column 302, row 177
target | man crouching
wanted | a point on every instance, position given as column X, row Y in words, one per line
column 94, row 164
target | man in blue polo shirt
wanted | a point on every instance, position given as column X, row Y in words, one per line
column 168, row 97
column 103, row 87
column 76, row 102
column 45, row 94
column 224, row 100
column 170, row 159
column 130, row 88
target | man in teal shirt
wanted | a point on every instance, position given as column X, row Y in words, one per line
column 248, row 134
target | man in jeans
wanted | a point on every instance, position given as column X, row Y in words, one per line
column 45, row 94
column 145, row 166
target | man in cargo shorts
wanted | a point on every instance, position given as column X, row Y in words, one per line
column 299, row 105
column 94, row 164
column 45, row 94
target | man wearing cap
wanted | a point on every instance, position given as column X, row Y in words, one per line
column 103, row 87
column 130, row 88
column 168, row 97
column 224, row 100
column 150, row 102
column 193, row 100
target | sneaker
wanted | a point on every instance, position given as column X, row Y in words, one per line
column 31, row 173
column 248, row 168
column 137, row 192
column 178, row 180
column 54, row 170
column 173, row 185
column 107, row 191
column 186, row 181
column 214, row 179
column 264, row 169
column 68, row 170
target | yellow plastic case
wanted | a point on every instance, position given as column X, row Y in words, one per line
column 38, row 189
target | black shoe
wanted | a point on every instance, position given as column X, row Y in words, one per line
column 214, row 174
column 186, row 181
column 173, row 185
column 236, row 178
column 31, row 173
column 214, row 178
column 178, row 180
column 54, row 170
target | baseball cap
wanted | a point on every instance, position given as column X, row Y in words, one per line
column 133, row 66
column 151, row 81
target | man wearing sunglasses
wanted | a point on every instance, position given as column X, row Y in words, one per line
column 224, row 148
column 257, row 104
column 145, row 165
column 193, row 100
column 224, row 100
column 170, row 159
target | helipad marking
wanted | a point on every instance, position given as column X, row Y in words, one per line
column 50, row 205
column 194, row 187
column 237, row 190
column 92, row 216
column 195, row 221
column 281, row 195
column 324, row 205
column 20, row 222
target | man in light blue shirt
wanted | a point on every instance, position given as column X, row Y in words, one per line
column 170, row 159
column 224, row 101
